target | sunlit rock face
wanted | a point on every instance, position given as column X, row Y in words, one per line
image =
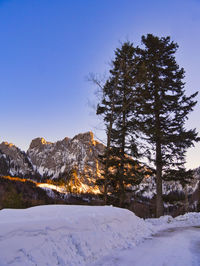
column 14, row 162
column 53, row 160
column 4, row 164
column 38, row 143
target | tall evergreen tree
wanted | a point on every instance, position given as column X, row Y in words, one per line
column 124, row 133
column 107, row 109
column 164, row 108
column 117, row 107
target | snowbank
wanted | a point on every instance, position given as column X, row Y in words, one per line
column 75, row 235
column 66, row 235
column 165, row 222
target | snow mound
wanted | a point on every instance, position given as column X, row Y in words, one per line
column 66, row 235
column 164, row 222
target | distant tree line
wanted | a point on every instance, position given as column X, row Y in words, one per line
column 144, row 108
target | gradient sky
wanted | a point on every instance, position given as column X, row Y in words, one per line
column 49, row 47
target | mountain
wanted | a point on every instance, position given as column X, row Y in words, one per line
column 77, row 160
column 52, row 160
column 47, row 160
column 14, row 162
column 177, row 199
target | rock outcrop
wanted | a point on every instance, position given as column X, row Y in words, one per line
column 14, row 162
column 54, row 160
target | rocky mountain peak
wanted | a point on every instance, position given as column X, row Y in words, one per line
column 37, row 142
column 55, row 160
column 87, row 137
column 13, row 161
column 9, row 148
column 5, row 144
column 66, row 140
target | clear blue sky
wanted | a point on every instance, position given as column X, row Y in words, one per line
column 48, row 48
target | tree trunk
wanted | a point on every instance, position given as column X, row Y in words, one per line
column 159, row 199
column 186, row 198
column 121, row 181
column 198, row 204
column 159, row 162
column 108, row 154
column 106, row 176
column 105, row 193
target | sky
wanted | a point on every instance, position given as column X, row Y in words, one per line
column 48, row 48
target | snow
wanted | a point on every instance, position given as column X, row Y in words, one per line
column 82, row 188
column 147, row 188
column 60, row 189
column 178, row 246
column 165, row 222
column 66, row 235
column 77, row 235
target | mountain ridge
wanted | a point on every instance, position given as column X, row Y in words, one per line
column 46, row 159
column 75, row 162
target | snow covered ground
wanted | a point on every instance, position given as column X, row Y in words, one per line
column 174, row 247
column 87, row 235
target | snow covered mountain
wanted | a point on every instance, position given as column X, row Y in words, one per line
column 14, row 162
column 79, row 157
column 147, row 188
column 54, row 160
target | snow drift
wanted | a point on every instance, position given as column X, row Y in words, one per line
column 66, row 235
column 75, row 235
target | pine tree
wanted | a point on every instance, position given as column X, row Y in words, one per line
column 118, row 109
column 124, row 133
column 106, row 108
column 164, row 108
